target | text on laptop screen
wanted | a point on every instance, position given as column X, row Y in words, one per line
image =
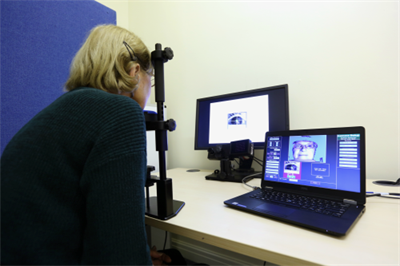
column 325, row 161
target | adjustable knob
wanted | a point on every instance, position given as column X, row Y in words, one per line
column 168, row 53
column 170, row 124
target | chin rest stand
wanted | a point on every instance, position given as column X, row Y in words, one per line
column 162, row 206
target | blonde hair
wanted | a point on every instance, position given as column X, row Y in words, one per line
column 104, row 62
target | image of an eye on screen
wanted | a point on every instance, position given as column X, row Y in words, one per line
column 237, row 119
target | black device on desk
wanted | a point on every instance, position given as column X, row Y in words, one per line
column 224, row 123
column 387, row 183
column 243, row 149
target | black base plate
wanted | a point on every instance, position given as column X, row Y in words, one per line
column 152, row 209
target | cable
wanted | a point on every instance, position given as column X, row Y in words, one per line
column 383, row 195
column 165, row 240
column 258, row 159
column 258, row 162
column 247, row 177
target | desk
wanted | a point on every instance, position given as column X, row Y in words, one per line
column 374, row 240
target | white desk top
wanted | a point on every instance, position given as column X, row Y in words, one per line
column 374, row 240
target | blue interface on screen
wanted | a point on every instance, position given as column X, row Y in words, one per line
column 325, row 161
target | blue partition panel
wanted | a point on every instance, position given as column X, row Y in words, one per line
column 38, row 42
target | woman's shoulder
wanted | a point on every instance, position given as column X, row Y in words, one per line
column 87, row 97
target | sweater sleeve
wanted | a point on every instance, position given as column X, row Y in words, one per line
column 113, row 184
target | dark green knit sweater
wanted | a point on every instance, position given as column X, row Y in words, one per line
column 72, row 184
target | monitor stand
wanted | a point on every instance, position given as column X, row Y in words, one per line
column 230, row 175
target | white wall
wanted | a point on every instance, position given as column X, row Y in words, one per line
column 340, row 59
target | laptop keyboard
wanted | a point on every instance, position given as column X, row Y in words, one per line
column 327, row 207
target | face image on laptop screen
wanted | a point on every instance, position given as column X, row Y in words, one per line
column 325, row 161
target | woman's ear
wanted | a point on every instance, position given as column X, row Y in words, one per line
column 134, row 70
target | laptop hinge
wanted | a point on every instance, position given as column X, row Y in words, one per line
column 350, row 201
column 268, row 188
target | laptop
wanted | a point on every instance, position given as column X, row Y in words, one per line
column 311, row 178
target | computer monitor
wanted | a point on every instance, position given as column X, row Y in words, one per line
column 241, row 115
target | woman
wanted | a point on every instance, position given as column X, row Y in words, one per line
column 73, row 177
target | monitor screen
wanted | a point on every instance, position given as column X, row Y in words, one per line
column 241, row 115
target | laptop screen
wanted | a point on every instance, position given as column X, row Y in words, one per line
column 330, row 161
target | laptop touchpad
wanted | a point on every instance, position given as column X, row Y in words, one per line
column 276, row 210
